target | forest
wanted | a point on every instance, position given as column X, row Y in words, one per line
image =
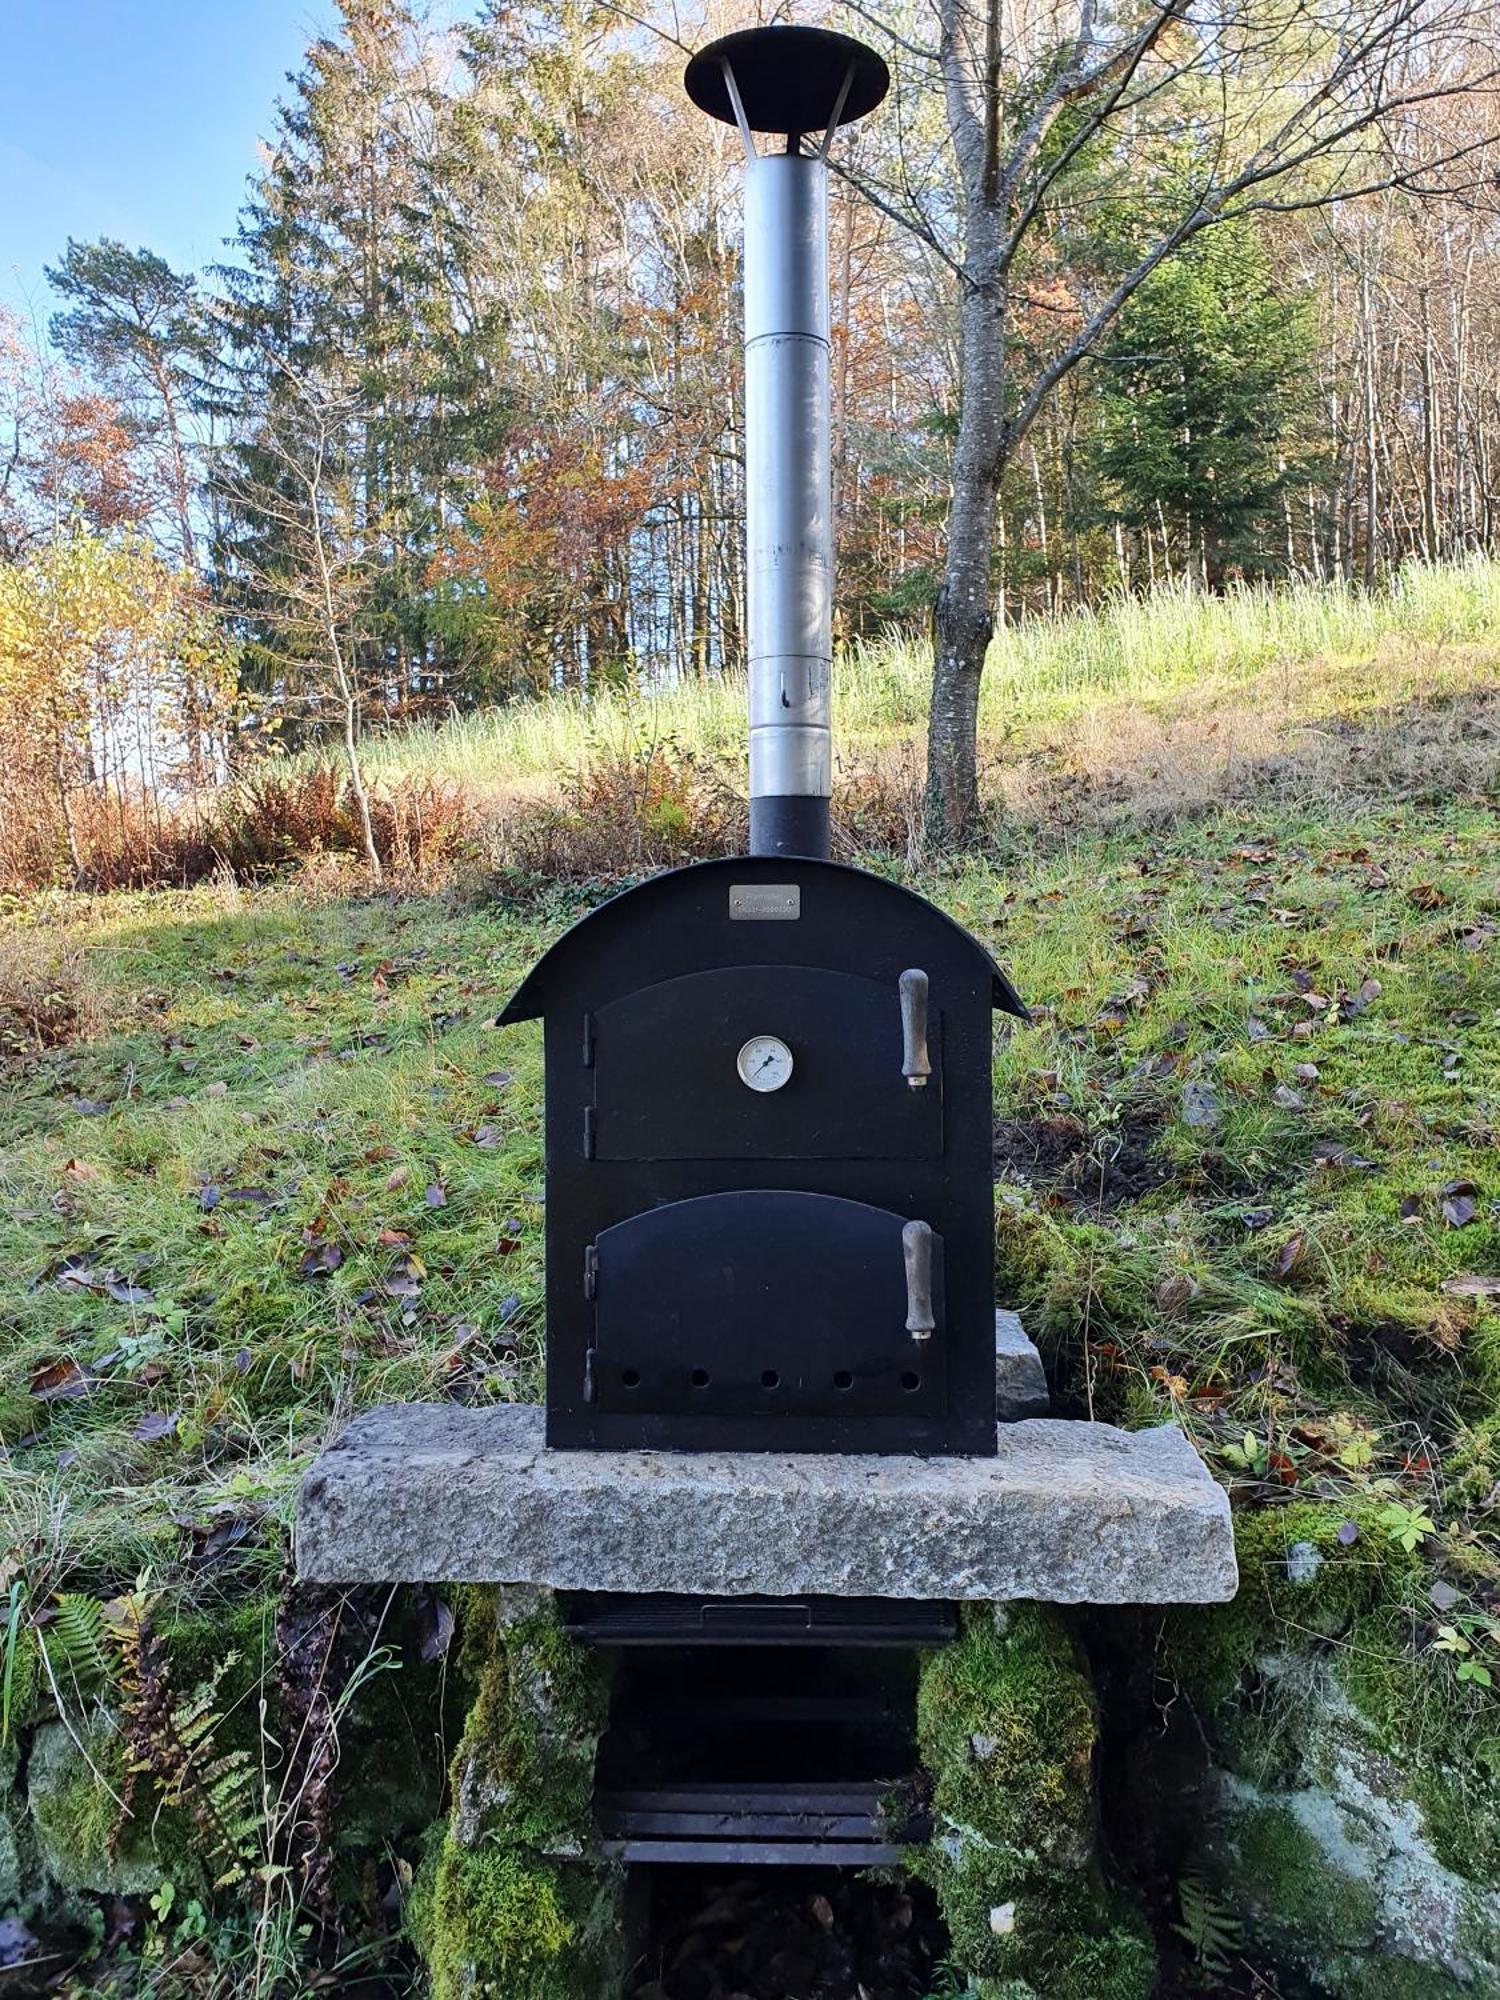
column 456, row 419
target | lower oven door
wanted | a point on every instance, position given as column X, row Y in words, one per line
column 765, row 1302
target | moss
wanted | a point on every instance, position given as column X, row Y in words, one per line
column 491, row 1920
column 1284, row 1870
column 1208, row 1651
column 73, row 1799
column 505, row 1903
column 1381, row 1977
column 1005, row 1720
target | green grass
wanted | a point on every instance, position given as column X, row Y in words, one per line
column 1040, row 674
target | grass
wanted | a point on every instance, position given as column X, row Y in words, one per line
column 1055, row 689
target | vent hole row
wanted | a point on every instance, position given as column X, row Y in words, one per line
column 630, row 1378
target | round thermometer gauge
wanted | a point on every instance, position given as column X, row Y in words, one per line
column 764, row 1063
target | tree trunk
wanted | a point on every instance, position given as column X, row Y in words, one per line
column 963, row 619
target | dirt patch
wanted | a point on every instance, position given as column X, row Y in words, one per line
column 818, row 1934
column 1098, row 1171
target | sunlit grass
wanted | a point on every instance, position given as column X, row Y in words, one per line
column 1044, row 671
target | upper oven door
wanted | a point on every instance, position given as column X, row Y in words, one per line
column 763, row 1062
column 761, row 1303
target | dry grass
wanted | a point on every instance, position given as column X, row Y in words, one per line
column 48, row 996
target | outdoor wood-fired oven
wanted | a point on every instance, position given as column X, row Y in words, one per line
column 769, row 1206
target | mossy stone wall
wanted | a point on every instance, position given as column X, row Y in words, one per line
column 510, row 1901
column 1006, row 1726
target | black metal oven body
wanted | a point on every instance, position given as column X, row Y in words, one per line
column 770, row 1211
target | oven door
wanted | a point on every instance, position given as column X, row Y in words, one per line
column 669, row 1085
column 765, row 1302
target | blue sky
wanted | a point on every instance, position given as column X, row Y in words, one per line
column 137, row 119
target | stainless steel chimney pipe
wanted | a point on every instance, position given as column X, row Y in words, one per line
column 788, row 503
column 791, row 81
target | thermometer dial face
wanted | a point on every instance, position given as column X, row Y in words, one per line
column 764, row 1063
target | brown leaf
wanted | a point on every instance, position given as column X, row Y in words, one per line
column 1472, row 1286
column 80, row 1170
column 321, row 1260
column 1287, row 1099
column 154, row 1425
column 1176, row 1291
column 1427, row 896
column 1459, row 1210
column 1291, row 1254
column 506, row 1245
column 397, row 1178
column 436, row 1624
column 61, row 1381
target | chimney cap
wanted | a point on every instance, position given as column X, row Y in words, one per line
column 789, row 78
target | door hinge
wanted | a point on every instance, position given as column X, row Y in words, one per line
column 590, row 1120
column 591, row 1272
column 588, row 1041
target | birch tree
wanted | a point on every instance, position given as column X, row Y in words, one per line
column 1167, row 118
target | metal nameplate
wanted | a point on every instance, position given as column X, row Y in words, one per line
column 765, row 902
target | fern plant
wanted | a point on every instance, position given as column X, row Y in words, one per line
column 1208, row 1926
column 74, row 1639
column 175, row 1741
column 10, row 1652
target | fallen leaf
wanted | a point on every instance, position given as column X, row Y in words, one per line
column 219, row 1089
column 1459, row 1210
column 1471, row 1286
column 80, row 1170
column 1291, row 1254
column 1341, row 1156
column 1176, row 1291
column 320, row 1260
column 497, row 1079
column 89, row 1107
column 436, row 1195
column 61, row 1382
column 1256, row 1218
column 397, row 1178
column 208, row 1197
column 1286, row 1099
column 488, row 1136
column 1200, row 1107
column 506, row 1245
column 436, row 1623
column 154, row 1425
column 128, row 1295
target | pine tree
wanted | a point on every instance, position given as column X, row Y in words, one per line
column 1203, row 397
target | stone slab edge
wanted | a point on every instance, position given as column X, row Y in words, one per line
column 1067, row 1513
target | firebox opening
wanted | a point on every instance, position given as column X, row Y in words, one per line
column 763, row 1741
